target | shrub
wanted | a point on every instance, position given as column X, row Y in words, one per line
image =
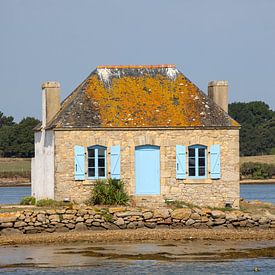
column 257, row 170
column 28, row 201
column 110, row 192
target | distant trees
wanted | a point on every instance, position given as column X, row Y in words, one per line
column 17, row 139
column 257, row 135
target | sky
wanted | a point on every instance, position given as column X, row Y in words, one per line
column 65, row 40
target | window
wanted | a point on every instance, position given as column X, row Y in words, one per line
column 197, row 161
column 96, row 162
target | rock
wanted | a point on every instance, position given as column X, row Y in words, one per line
column 61, row 211
column 113, row 210
column 70, row 225
column 150, row 225
column 195, row 216
column 263, row 220
column 119, row 221
column 128, row 213
column 62, row 229
column 51, row 212
column 41, row 217
column 181, row 213
column 131, row 225
column 50, row 230
column 80, row 227
column 6, row 224
column 19, row 224
column 140, row 224
column 147, row 215
column 161, row 213
column 68, row 217
column 10, row 231
column 96, row 224
column 204, row 219
column 70, row 211
column 8, row 217
column 219, row 221
column 217, row 214
column 189, row 222
column 79, row 219
column 82, row 212
column 243, row 223
column 231, row 216
column 89, row 221
column 54, row 218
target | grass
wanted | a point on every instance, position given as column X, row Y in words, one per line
column 15, row 165
column 15, row 168
column 269, row 159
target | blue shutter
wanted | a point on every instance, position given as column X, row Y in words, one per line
column 115, row 162
column 180, row 161
column 79, row 162
column 215, row 162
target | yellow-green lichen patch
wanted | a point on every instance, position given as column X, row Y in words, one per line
column 146, row 101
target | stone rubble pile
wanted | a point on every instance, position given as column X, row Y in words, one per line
column 91, row 218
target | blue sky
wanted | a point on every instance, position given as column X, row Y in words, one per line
column 65, row 40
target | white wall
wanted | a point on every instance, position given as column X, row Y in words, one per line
column 43, row 165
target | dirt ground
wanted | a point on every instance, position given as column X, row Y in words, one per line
column 138, row 235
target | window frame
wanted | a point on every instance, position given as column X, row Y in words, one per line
column 197, row 147
column 96, row 158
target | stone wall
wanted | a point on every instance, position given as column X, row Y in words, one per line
column 89, row 218
column 206, row 192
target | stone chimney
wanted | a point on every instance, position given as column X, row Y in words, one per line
column 218, row 92
column 50, row 101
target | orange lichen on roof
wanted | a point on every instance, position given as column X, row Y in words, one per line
column 136, row 66
column 145, row 101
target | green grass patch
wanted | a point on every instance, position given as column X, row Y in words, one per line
column 28, row 201
column 52, row 203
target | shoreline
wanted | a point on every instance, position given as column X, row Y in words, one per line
column 138, row 235
column 244, row 181
column 251, row 181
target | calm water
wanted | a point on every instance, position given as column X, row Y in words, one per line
column 13, row 195
column 262, row 192
column 98, row 259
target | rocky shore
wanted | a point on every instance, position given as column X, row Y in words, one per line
column 77, row 218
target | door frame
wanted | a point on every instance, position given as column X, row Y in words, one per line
column 148, row 146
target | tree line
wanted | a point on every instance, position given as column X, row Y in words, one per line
column 257, row 134
column 17, row 139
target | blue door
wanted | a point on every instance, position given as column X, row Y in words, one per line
column 147, row 159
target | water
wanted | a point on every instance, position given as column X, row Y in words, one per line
column 13, row 195
column 186, row 257
column 262, row 192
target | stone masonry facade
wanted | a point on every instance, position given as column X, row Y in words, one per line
column 201, row 192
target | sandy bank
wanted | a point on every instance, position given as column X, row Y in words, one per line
column 139, row 235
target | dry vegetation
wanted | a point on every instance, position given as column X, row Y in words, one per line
column 270, row 159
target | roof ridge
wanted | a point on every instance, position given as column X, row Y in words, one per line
column 136, row 66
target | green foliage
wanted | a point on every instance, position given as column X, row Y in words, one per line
column 28, row 201
column 257, row 134
column 256, row 170
column 110, row 192
column 17, row 139
column 51, row 203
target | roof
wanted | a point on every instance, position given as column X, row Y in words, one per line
column 139, row 96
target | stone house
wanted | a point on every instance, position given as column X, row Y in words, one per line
column 147, row 125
